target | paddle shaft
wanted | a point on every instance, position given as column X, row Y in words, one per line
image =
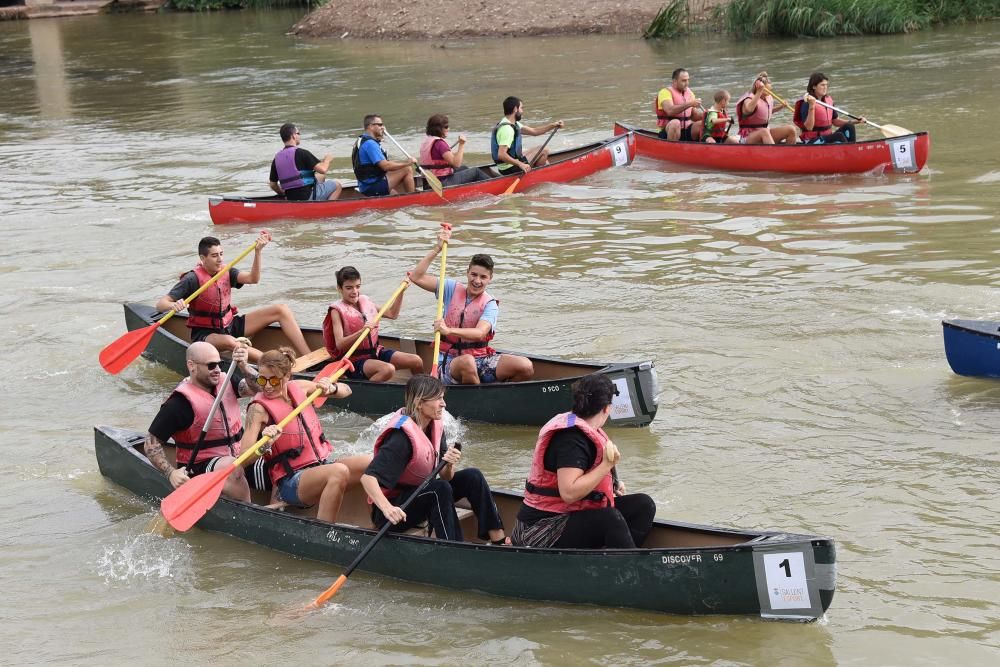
column 430, row 178
column 367, row 330
column 533, row 161
column 211, row 413
column 440, row 309
column 849, row 115
column 330, row 592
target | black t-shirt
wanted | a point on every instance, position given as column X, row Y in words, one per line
column 188, row 284
column 304, row 161
column 393, row 457
column 176, row 413
column 569, row 448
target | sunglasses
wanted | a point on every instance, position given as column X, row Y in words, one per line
column 379, row 124
column 211, row 365
column 262, row 381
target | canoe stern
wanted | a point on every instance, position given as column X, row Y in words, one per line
column 972, row 347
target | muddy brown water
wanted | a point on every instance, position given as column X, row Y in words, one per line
column 794, row 323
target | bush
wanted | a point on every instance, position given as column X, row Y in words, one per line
column 671, row 21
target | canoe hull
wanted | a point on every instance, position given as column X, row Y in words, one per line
column 906, row 154
column 530, row 403
column 722, row 577
column 577, row 163
column 972, row 347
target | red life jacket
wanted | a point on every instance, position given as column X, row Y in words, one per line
column 542, row 487
column 436, row 167
column 352, row 320
column 661, row 115
column 759, row 118
column 301, row 443
column 224, row 433
column 720, row 130
column 425, row 450
column 822, row 120
column 213, row 308
column 462, row 315
column 675, row 98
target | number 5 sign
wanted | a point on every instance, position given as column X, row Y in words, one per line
column 902, row 154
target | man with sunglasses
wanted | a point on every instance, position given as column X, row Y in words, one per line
column 378, row 175
column 183, row 415
column 297, row 175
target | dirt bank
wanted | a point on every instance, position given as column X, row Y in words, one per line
column 439, row 19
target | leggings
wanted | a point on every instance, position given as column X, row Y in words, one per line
column 624, row 526
column 847, row 134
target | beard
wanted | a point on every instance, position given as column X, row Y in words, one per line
column 517, row 116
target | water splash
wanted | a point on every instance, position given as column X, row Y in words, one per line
column 144, row 556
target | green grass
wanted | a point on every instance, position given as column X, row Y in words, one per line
column 671, row 21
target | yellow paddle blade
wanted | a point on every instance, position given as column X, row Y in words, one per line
column 891, row 131
column 434, row 182
column 513, row 185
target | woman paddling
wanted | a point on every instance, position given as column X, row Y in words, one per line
column 298, row 458
column 437, row 157
column 571, row 498
column 753, row 113
column 816, row 121
column 406, row 453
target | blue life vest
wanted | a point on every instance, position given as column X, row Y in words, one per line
column 515, row 149
column 289, row 176
column 366, row 172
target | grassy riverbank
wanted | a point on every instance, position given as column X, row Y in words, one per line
column 820, row 18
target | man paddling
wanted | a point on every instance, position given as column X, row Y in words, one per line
column 505, row 142
column 183, row 415
column 677, row 109
column 297, row 175
column 469, row 323
column 212, row 317
column 378, row 175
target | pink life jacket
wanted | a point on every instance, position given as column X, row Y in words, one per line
column 677, row 98
column 301, row 443
column 759, row 118
column 213, row 308
column 352, row 320
column 542, row 487
column 224, row 433
column 661, row 115
column 822, row 120
column 461, row 315
column 425, row 450
column 436, row 167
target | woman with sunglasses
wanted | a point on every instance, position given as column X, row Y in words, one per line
column 298, row 458
column 406, row 453
column 437, row 157
column 572, row 498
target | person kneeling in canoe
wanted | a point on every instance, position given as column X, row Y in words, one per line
column 212, row 316
column 437, row 157
column 406, row 453
column 378, row 175
column 347, row 318
column 718, row 122
column 571, row 499
column 297, row 460
column 469, row 323
column 817, row 121
column 182, row 417
column 297, row 175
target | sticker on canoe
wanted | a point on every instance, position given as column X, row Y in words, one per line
column 786, row 581
column 619, row 152
column 902, row 153
column 249, row 204
column 621, row 405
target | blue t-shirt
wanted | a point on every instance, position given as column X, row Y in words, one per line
column 370, row 153
column 490, row 312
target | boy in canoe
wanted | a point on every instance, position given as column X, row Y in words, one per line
column 718, row 122
column 469, row 324
column 212, row 316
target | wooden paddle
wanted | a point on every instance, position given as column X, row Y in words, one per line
column 517, row 180
column 889, row 131
column 189, row 502
column 440, row 306
column 332, row 590
column 123, row 351
column 431, row 179
column 322, row 354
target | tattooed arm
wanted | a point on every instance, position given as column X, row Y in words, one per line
column 154, row 452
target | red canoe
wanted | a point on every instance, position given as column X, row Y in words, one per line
column 563, row 166
column 904, row 154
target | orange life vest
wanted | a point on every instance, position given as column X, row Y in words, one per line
column 822, row 120
column 462, row 315
column 301, row 443
column 425, row 450
column 224, row 432
column 213, row 308
column 676, row 97
column 759, row 118
column 352, row 320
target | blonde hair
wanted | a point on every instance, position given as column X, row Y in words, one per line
column 421, row 388
column 721, row 95
column 280, row 360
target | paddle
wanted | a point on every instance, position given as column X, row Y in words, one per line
column 431, row 179
column 189, row 502
column 532, row 163
column 123, row 351
column 440, row 306
column 888, row 130
column 332, row 590
column 322, row 354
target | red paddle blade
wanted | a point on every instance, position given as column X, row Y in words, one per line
column 330, row 592
column 123, row 351
column 328, row 371
column 512, row 186
column 189, row 502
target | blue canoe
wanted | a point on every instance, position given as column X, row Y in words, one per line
column 973, row 346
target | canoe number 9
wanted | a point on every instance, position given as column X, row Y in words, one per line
column 619, row 154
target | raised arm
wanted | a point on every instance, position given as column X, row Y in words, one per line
column 252, row 277
column 419, row 275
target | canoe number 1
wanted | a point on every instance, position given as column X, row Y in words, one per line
column 787, row 566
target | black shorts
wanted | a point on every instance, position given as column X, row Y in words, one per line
column 235, row 329
column 686, row 134
column 255, row 472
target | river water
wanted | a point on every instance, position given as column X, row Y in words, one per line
column 794, row 323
